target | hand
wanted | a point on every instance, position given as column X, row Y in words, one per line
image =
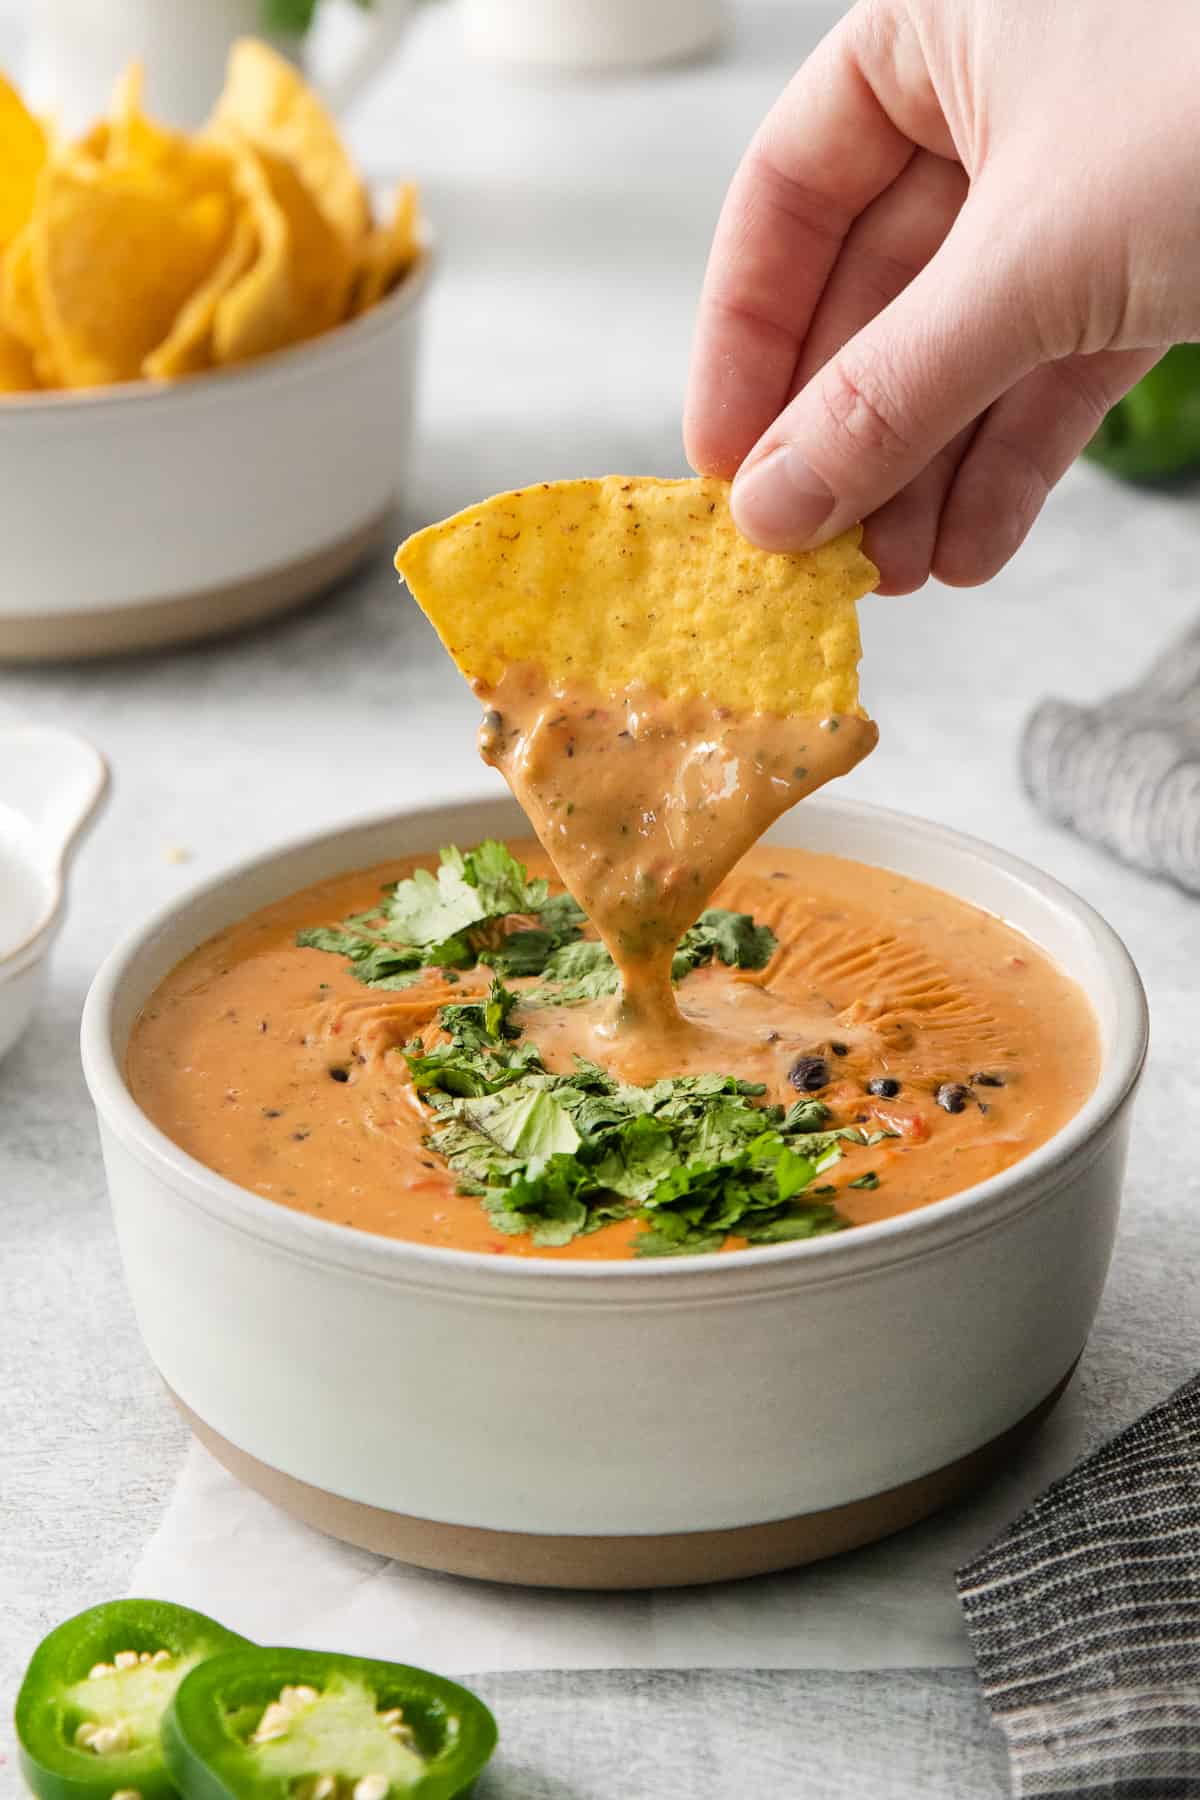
column 963, row 232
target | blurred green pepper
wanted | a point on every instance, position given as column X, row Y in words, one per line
column 1154, row 432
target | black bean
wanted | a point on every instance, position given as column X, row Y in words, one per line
column 982, row 1079
column 840, row 1049
column 808, row 1074
column 885, row 1087
column 340, row 1074
column 953, row 1096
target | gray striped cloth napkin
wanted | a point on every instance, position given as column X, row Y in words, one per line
column 1085, row 1620
column 1126, row 774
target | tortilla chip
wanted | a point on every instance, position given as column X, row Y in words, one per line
column 116, row 253
column 299, row 282
column 267, row 102
column 21, row 308
column 632, row 580
column 387, row 252
column 188, row 346
column 22, row 153
column 192, row 165
column 17, row 374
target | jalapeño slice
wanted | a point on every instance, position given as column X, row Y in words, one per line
column 304, row 1725
column 92, row 1700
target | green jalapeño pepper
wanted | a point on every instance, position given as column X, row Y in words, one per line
column 304, row 1725
column 1154, row 432
column 91, row 1703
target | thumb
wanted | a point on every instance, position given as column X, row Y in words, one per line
column 959, row 335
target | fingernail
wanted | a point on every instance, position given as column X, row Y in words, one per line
column 779, row 502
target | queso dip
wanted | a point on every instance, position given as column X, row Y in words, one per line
column 894, row 1007
column 653, row 1035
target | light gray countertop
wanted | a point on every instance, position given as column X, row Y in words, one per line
column 573, row 221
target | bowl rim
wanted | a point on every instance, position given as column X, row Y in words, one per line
column 980, row 1207
column 293, row 361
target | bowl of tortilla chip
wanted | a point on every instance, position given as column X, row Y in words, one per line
column 208, row 345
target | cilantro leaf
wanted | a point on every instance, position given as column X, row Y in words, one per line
column 805, row 1115
column 732, row 937
column 372, row 960
column 529, row 1123
column 582, row 971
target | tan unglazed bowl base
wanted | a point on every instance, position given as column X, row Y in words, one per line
column 188, row 617
column 680, row 1559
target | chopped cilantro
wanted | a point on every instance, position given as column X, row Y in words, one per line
column 454, row 919
column 732, row 937
column 468, row 889
column 693, row 1158
column 869, row 1180
column 459, row 916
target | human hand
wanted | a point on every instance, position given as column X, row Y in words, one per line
column 964, row 231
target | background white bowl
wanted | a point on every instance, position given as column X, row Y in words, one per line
column 146, row 514
column 626, row 1423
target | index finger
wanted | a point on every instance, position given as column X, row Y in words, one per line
column 826, row 150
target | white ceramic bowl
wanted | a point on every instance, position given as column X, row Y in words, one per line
column 627, row 1423
column 144, row 514
column 51, row 783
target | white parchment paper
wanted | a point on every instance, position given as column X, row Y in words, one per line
column 231, row 1553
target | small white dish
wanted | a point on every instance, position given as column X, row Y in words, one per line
column 51, row 783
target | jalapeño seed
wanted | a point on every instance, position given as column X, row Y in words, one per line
column 885, row 1087
column 809, row 1074
column 953, row 1096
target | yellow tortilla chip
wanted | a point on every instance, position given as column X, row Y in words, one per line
column 299, row 281
column 22, row 153
column 116, row 254
column 267, row 102
column 21, row 308
column 632, row 580
column 17, row 374
column 188, row 346
column 386, row 252
column 192, row 165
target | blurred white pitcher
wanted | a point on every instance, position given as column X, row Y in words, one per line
column 77, row 49
column 593, row 34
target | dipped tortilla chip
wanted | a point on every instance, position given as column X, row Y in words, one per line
column 116, row 254
column 22, row 153
column 188, row 346
column 266, row 101
column 386, row 252
column 298, row 283
column 630, row 580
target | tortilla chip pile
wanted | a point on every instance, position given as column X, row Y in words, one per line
column 629, row 579
column 142, row 252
